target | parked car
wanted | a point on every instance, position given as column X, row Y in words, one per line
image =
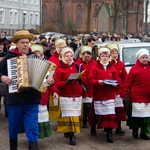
column 130, row 40
column 54, row 34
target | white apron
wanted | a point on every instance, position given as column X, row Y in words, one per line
column 43, row 113
column 118, row 101
column 87, row 100
column 140, row 109
column 70, row 106
column 104, row 107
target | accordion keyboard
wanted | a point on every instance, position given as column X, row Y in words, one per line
column 12, row 73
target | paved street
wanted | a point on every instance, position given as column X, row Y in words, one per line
column 84, row 140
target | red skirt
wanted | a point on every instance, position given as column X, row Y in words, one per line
column 120, row 113
column 102, row 121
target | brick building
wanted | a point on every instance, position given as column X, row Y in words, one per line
column 72, row 15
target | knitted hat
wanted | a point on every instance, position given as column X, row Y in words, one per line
column 22, row 34
column 142, row 52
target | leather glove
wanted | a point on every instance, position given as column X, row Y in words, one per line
column 68, row 82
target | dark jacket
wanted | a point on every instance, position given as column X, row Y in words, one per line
column 27, row 96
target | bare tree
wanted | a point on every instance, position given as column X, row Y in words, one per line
column 128, row 3
column 116, row 10
column 88, row 15
column 146, row 15
column 139, row 2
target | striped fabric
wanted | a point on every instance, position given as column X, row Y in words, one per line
column 104, row 107
column 140, row 110
column 118, row 101
column 70, row 106
column 54, row 111
column 87, row 100
column 43, row 122
column 43, row 113
column 69, row 124
column 44, row 129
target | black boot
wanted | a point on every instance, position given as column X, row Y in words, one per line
column 66, row 134
column 109, row 135
column 13, row 144
column 33, row 146
column 84, row 122
column 135, row 133
column 93, row 130
column 119, row 129
column 72, row 138
column 144, row 136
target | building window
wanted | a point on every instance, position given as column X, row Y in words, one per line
column 2, row 15
column 36, row 19
column 97, row 8
column 36, row 2
column 79, row 15
column 31, row 19
column 15, row 17
column 11, row 17
column 24, row 19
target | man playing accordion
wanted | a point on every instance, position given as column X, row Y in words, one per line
column 22, row 105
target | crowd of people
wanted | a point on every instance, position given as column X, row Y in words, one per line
column 90, row 86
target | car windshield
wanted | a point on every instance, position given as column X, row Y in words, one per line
column 129, row 55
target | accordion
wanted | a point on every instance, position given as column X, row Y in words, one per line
column 28, row 73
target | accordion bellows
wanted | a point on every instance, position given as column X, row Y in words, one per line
column 31, row 72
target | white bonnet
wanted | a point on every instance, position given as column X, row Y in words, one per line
column 113, row 46
column 60, row 40
column 103, row 49
column 65, row 50
column 142, row 52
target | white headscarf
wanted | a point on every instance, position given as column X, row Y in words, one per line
column 141, row 52
column 65, row 50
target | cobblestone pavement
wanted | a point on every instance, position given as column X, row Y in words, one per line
column 84, row 140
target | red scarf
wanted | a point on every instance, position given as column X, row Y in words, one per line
column 16, row 51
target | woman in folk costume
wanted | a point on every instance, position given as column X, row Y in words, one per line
column 102, row 113
column 70, row 92
column 86, row 62
column 43, row 118
column 137, row 84
column 120, row 67
column 54, row 110
column 59, row 44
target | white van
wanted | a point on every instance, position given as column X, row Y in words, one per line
column 128, row 51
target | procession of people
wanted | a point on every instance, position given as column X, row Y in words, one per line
column 92, row 88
